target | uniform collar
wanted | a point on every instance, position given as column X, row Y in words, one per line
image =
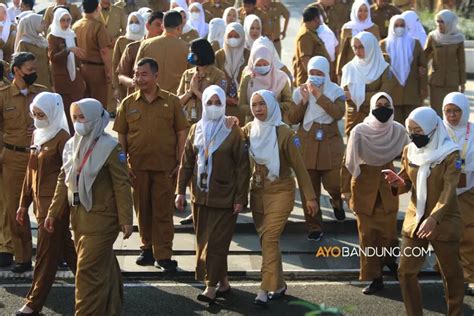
column 16, row 91
column 159, row 94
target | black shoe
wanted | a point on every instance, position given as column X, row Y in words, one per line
column 167, row 265
column 223, row 293
column 6, row 259
column 260, row 303
column 112, row 115
column 62, row 265
column 470, row 290
column 22, row 267
column 375, row 286
column 145, row 258
column 315, row 236
column 338, row 208
column 186, row 221
column 393, row 267
column 275, row 296
column 206, row 299
column 18, row 313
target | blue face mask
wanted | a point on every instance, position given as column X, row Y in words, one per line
column 191, row 59
column 262, row 70
column 317, row 81
column 319, row 29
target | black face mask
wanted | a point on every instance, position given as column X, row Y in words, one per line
column 30, row 78
column 382, row 114
column 420, row 141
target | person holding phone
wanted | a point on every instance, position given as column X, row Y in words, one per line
column 371, row 148
column 430, row 170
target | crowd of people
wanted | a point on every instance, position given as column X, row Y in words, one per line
column 203, row 103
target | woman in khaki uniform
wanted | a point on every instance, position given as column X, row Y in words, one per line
column 372, row 146
column 366, row 74
column 51, row 134
column 232, row 59
column 360, row 22
column 216, row 162
column 430, row 170
column 195, row 80
column 94, row 178
column 445, row 48
column 29, row 40
column 135, row 32
column 319, row 105
column 188, row 34
column 456, row 120
column 7, row 35
column 408, row 66
column 230, row 15
column 62, row 54
column 262, row 73
column 275, row 154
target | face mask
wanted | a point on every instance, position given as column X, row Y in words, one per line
column 82, row 129
column 233, row 42
column 262, row 70
column 214, row 113
column 191, row 59
column 195, row 16
column 317, row 81
column 399, row 31
column 41, row 123
column 319, row 29
column 420, row 141
column 134, row 28
column 382, row 114
column 30, row 78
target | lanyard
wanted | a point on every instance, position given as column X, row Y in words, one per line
column 104, row 19
column 86, row 157
column 466, row 140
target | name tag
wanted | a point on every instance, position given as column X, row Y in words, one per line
column 319, row 134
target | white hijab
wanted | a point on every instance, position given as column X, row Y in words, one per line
column 438, row 148
column 314, row 112
column 375, row 143
column 187, row 27
column 355, row 24
column 265, row 41
column 263, row 136
column 226, row 13
column 29, row 30
column 234, row 56
column 180, row 3
column 200, row 25
column 357, row 73
column 141, row 22
column 51, row 104
column 414, row 26
column 248, row 21
column 69, row 37
column 329, row 39
column 400, row 49
column 217, row 29
column 209, row 133
column 76, row 148
column 452, row 35
column 458, row 135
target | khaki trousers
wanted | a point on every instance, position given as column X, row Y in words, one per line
column 402, row 111
column 214, row 228
column 437, row 95
column 153, row 196
column 5, row 233
column 447, row 254
column 466, row 246
column 96, row 83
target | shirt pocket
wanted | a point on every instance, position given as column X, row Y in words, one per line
column 11, row 116
column 133, row 119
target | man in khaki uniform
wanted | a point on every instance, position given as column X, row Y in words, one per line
column 308, row 44
column 130, row 6
column 169, row 50
column 276, row 10
column 73, row 9
column 404, row 5
column 250, row 7
column 152, row 131
column 381, row 12
column 96, row 66
column 6, row 250
column 159, row 5
column 17, row 127
column 338, row 14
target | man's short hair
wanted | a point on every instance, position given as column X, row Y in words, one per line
column 172, row 19
column 149, row 61
column 29, row 3
column 90, row 6
column 155, row 16
column 254, row 2
column 19, row 59
column 310, row 13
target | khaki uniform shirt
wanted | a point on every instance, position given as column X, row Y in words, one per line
column 9, row 46
column 382, row 15
column 119, row 49
column 190, row 36
column 151, row 130
column 130, row 7
column 115, row 21
column 339, row 14
column 73, row 10
column 127, row 62
column 275, row 12
column 42, row 62
column 211, row 11
column 171, row 53
column 92, row 36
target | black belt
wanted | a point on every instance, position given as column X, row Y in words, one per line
column 276, row 41
column 17, row 148
column 91, row 63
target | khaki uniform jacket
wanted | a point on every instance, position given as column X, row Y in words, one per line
column 190, row 36
column 42, row 62
column 131, row 7
column 290, row 161
column 327, row 153
column 170, row 53
column 151, row 130
column 308, row 44
column 267, row 28
column 159, row 5
column 275, row 12
column 284, row 98
column 410, row 93
column 382, row 15
column 111, row 196
column 42, row 173
column 9, row 46
column 345, row 50
column 212, row 76
column 127, row 62
column 211, row 11
column 92, row 36
column 115, row 21
column 449, row 63
column 339, row 14
column 73, row 9
column 15, row 113
column 229, row 182
column 119, row 49
column 441, row 202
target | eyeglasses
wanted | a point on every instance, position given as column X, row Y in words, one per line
column 452, row 112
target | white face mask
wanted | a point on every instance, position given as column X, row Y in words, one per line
column 82, row 128
column 214, row 112
column 233, row 42
column 262, row 70
column 399, row 31
column 41, row 123
column 195, row 16
column 134, row 28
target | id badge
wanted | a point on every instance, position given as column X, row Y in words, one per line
column 258, row 181
column 459, row 163
column 193, row 113
column 75, row 199
column 319, row 134
column 462, row 181
column 203, row 182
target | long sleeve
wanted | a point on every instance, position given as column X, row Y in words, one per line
column 286, row 98
column 404, row 175
column 26, row 197
column 240, row 153
column 422, row 63
column 429, row 48
column 56, row 54
column 335, row 109
column 115, row 61
column 188, row 162
column 462, row 63
column 346, row 177
column 60, row 195
column 244, row 105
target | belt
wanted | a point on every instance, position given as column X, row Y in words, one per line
column 91, row 63
column 17, row 148
column 276, row 41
